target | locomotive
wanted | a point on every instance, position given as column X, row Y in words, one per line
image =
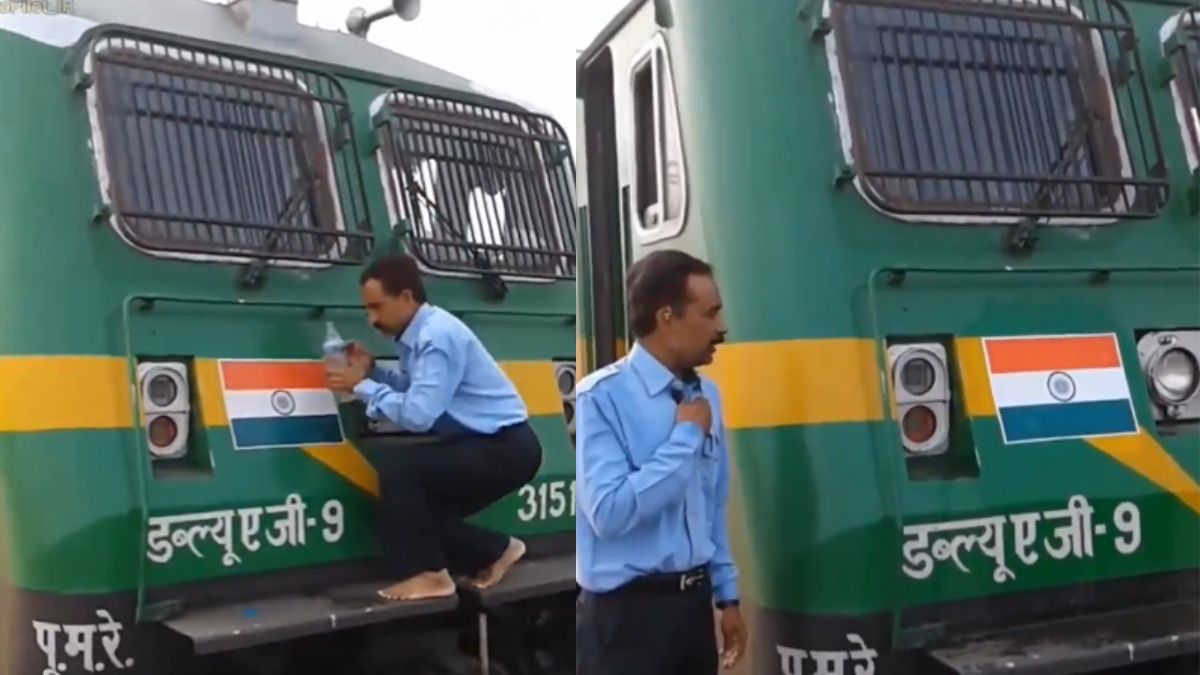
column 957, row 246
column 190, row 192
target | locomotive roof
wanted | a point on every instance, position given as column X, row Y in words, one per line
column 217, row 23
column 619, row 19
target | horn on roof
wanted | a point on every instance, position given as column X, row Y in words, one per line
column 359, row 21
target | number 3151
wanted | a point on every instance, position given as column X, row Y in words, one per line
column 548, row 500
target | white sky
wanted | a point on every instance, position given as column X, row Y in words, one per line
column 591, row 16
column 523, row 48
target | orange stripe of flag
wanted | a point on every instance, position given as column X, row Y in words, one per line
column 242, row 375
column 1065, row 353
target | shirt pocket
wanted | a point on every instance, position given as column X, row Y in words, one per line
column 711, row 456
column 708, row 462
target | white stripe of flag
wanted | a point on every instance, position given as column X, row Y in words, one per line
column 274, row 403
column 1033, row 388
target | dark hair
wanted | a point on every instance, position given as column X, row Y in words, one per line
column 396, row 272
column 659, row 280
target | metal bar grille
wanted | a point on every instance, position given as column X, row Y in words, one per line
column 1017, row 108
column 482, row 189
column 206, row 153
column 1184, row 53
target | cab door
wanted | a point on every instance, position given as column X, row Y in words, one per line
column 601, row 304
column 636, row 187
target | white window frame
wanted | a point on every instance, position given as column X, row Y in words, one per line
column 663, row 82
column 386, row 176
column 159, row 51
column 1182, row 115
column 838, row 96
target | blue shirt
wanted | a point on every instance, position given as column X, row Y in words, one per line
column 652, row 493
column 447, row 380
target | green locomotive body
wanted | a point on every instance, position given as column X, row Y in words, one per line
column 957, row 244
column 190, row 191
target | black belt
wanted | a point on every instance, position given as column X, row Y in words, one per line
column 678, row 582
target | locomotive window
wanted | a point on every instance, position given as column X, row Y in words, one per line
column 645, row 142
column 479, row 189
column 1182, row 48
column 957, row 110
column 211, row 157
column 659, row 189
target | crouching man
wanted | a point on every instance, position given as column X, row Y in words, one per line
column 449, row 384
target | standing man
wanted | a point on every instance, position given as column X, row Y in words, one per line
column 651, row 541
column 447, row 383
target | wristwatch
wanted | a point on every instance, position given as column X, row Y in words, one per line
column 726, row 604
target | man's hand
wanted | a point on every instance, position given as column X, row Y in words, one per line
column 359, row 357
column 695, row 411
column 734, row 634
column 343, row 379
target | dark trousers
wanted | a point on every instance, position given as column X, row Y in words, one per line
column 426, row 493
column 654, row 630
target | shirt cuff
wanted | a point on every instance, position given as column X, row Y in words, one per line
column 726, row 592
column 364, row 390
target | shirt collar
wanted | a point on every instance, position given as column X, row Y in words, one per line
column 409, row 336
column 653, row 374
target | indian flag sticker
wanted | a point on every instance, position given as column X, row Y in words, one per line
column 1050, row 388
column 274, row 404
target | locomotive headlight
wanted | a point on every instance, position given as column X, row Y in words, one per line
column 916, row 376
column 921, row 383
column 162, row 390
column 164, row 387
column 564, row 381
column 1170, row 361
column 166, row 407
column 1174, row 375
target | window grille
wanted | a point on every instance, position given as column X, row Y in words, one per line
column 206, row 154
column 1183, row 50
column 481, row 189
column 1013, row 108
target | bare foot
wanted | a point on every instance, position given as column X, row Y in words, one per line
column 422, row 586
column 492, row 575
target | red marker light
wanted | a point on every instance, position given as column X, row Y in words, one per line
column 919, row 424
column 163, row 431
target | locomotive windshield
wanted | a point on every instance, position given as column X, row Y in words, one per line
column 212, row 155
column 1017, row 108
column 480, row 189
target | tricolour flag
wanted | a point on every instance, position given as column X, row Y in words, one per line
column 279, row 403
column 1058, row 387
